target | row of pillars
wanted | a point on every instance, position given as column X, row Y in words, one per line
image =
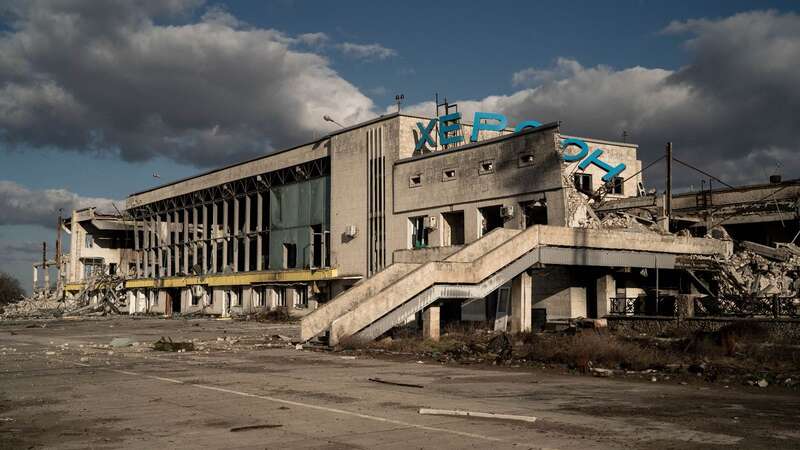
column 521, row 305
column 197, row 236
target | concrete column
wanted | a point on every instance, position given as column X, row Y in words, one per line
column 685, row 306
column 225, row 233
column 237, row 233
column 606, row 289
column 213, row 238
column 259, row 228
column 186, row 241
column 521, row 298
column 205, row 235
column 159, row 250
column 430, row 323
column 147, row 245
column 137, row 249
column 176, row 244
column 35, row 279
column 247, row 233
column 195, row 235
column 168, row 244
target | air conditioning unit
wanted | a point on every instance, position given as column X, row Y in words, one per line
column 429, row 222
column 507, row 212
column 351, row 231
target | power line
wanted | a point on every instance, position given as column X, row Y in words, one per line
column 702, row 171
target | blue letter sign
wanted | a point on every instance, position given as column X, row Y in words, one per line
column 450, row 123
column 477, row 125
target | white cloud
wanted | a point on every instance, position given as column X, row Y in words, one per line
column 366, row 51
column 732, row 109
column 23, row 206
column 117, row 77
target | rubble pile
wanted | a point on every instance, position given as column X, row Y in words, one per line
column 101, row 295
column 747, row 273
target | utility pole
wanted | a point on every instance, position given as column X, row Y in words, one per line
column 668, row 199
column 44, row 267
column 59, row 281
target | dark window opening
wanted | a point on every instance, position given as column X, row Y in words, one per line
column 317, row 246
column 583, row 182
column 448, row 174
column 419, row 233
column 526, row 159
column 491, row 218
column 415, row 180
column 535, row 213
column 289, row 256
column 453, row 228
column 486, row 167
column 616, row 186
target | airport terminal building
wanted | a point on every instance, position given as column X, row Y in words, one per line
column 395, row 219
column 299, row 226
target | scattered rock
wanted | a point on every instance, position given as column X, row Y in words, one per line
column 121, row 342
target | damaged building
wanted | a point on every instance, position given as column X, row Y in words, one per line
column 406, row 219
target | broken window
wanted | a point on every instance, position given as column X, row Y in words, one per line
column 486, row 167
column 525, row 159
column 415, row 180
column 419, row 233
column 615, row 186
column 583, row 182
column 448, row 174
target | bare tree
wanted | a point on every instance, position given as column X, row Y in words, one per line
column 10, row 289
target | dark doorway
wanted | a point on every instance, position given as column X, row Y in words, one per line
column 289, row 256
column 173, row 301
column 453, row 228
column 535, row 213
column 491, row 218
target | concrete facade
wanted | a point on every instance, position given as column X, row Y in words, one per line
column 298, row 227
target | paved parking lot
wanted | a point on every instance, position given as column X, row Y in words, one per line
column 61, row 387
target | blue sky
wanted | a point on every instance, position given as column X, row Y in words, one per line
column 467, row 51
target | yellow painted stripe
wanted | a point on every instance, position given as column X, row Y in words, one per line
column 71, row 287
column 235, row 279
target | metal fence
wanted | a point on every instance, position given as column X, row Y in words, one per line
column 729, row 306
column 643, row 306
column 748, row 306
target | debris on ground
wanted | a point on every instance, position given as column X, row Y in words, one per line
column 254, row 427
column 483, row 415
column 121, row 342
column 102, row 294
column 168, row 345
column 396, row 383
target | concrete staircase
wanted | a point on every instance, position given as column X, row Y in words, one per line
column 321, row 319
column 387, row 299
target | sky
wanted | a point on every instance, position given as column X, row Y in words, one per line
column 102, row 99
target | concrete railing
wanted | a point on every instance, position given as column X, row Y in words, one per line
column 435, row 272
column 319, row 320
